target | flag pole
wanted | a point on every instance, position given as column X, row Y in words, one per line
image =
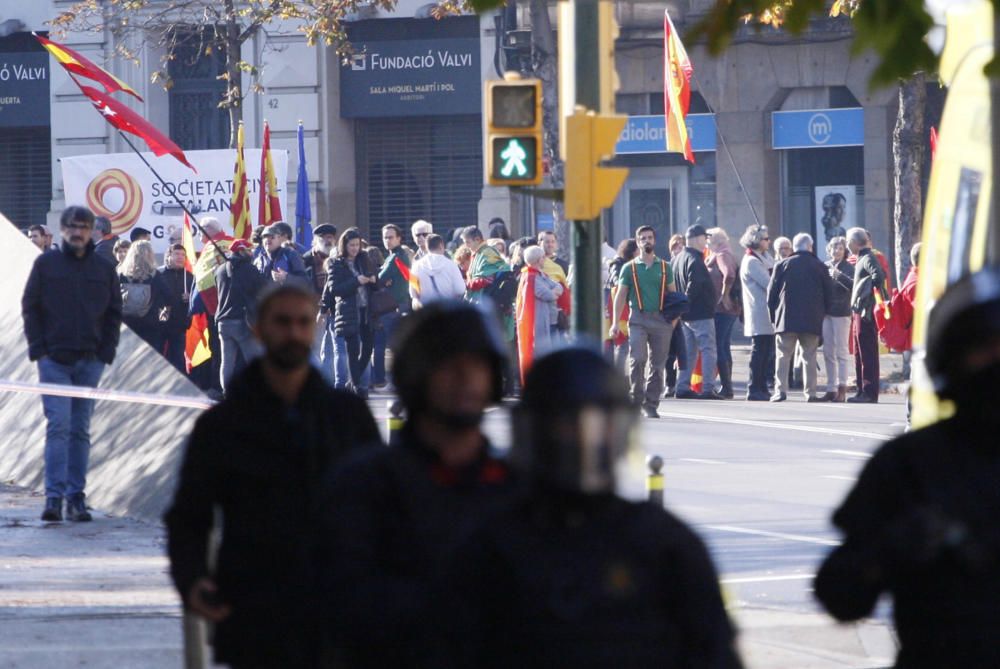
column 173, row 194
column 725, row 148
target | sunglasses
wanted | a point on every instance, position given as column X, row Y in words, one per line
column 422, row 234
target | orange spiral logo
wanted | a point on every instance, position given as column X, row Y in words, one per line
column 126, row 216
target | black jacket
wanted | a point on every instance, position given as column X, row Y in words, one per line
column 264, row 465
column 149, row 326
column 340, row 295
column 72, row 307
column 396, row 515
column 106, row 249
column 800, row 294
column 315, row 263
column 176, row 281
column 691, row 278
column 587, row 582
column 868, row 277
column 238, row 283
column 843, row 282
column 921, row 524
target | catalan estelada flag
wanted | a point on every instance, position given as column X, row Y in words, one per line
column 239, row 206
column 268, row 206
column 78, row 64
column 677, row 73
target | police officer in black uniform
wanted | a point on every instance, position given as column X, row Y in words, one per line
column 574, row 576
column 396, row 514
column 923, row 521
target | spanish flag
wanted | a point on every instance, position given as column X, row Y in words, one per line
column 239, row 206
column 187, row 241
column 78, row 64
column 677, row 72
column 268, row 207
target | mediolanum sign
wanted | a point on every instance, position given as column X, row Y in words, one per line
column 412, row 67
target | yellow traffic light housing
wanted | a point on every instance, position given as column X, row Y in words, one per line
column 514, row 131
column 591, row 139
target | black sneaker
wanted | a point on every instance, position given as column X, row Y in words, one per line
column 686, row 395
column 650, row 412
column 76, row 510
column 53, row 510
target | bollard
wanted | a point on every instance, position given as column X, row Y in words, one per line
column 395, row 420
column 654, row 484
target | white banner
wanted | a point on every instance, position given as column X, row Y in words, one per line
column 121, row 187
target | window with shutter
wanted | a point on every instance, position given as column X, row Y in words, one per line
column 25, row 175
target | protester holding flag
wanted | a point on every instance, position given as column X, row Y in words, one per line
column 178, row 281
column 536, row 312
column 239, row 283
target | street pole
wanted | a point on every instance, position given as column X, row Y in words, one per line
column 586, row 235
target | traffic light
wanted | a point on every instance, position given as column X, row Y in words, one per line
column 590, row 139
column 514, row 131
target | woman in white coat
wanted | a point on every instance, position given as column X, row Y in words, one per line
column 755, row 274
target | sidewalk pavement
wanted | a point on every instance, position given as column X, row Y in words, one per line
column 98, row 595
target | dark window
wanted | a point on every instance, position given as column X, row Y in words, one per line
column 25, row 175
column 429, row 168
column 196, row 121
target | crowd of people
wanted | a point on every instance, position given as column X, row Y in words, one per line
column 438, row 551
column 675, row 318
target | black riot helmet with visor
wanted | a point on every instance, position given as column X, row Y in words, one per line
column 963, row 337
column 574, row 425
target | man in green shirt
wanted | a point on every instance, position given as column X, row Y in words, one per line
column 645, row 282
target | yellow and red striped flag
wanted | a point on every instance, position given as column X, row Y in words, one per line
column 268, row 207
column 187, row 241
column 677, row 71
column 239, row 206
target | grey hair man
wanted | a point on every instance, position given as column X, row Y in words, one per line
column 798, row 297
column 869, row 277
column 692, row 278
column 104, row 240
column 421, row 230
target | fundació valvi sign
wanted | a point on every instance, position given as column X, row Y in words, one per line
column 412, row 67
column 24, row 89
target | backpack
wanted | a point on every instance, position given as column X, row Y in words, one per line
column 503, row 290
column 895, row 331
column 137, row 298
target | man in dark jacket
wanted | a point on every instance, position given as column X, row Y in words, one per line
column 72, row 309
column 691, row 277
column 869, row 279
column 397, row 514
column 239, row 285
column 178, row 282
column 104, row 240
column 798, row 297
column 922, row 523
column 572, row 575
column 279, row 259
column 394, row 276
column 262, row 457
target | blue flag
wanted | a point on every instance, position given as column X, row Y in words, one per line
column 303, row 210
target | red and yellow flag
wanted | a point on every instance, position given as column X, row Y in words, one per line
column 76, row 63
column 187, row 241
column 677, row 72
column 239, row 206
column 524, row 317
column 268, row 207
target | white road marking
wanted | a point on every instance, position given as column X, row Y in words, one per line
column 840, row 478
column 774, row 535
column 778, row 426
column 851, row 454
column 702, row 461
column 767, row 579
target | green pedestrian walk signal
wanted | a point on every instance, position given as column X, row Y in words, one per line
column 514, row 159
column 514, row 131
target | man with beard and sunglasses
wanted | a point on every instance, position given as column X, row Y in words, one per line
column 396, row 514
column 645, row 281
column 262, row 457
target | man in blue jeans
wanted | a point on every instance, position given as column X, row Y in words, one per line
column 72, row 308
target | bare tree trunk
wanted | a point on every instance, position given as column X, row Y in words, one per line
column 546, row 68
column 234, row 90
column 908, row 139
